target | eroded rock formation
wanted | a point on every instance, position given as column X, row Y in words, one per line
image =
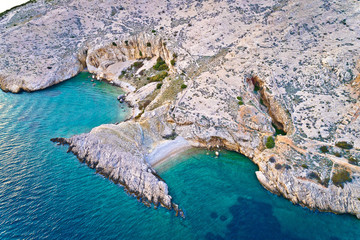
column 244, row 67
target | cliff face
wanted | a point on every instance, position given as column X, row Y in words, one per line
column 248, row 68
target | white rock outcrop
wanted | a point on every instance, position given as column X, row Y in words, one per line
column 244, row 67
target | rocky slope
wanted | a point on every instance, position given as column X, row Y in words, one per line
column 248, row 66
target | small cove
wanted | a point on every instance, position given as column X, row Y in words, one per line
column 46, row 193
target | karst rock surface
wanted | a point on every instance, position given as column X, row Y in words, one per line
column 248, row 66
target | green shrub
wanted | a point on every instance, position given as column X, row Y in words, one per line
column 270, row 143
column 344, row 145
column 324, row 149
column 240, row 100
column 159, row 77
column 262, row 102
column 148, row 44
column 172, row 62
column 140, row 53
column 337, row 154
column 278, row 166
column 183, row 86
column 126, row 42
column 353, row 160
column 160, row 65
column 159, row 85
column 138, row 64
column 114, row 44
column 340, row 177
column 122, row 74
column 153, row 31
column 314, row 175
column 174, row 55
column 305, row 166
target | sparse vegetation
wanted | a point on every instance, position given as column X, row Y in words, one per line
column 353, row 160
column 240, row 100
column 325, row 182
column 138, row 64
column 270, row 143
column 159, row 77
column 148, row 44
column 159, row 85
column 314, row 175
column 143, row 104
column 172, row 62
column 278, row 166
column 337, row 154
column 160, row 65
column 262, row 102
column 344, row 145
column 169, row 93
column 324, row 149
column 183, row 86
column 340, row 177
column 139, row 115
column 122, row 74
column 305, row 166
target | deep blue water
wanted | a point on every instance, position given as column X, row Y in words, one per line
column 46, row 193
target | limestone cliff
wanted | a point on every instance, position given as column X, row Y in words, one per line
column 246, row 68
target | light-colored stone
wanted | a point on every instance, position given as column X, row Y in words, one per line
column 304, row 56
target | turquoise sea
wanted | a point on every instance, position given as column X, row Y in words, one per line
column 46, row 193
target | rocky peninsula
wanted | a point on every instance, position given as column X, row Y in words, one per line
column 278, row 81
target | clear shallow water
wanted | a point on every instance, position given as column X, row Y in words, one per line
column 47, row 193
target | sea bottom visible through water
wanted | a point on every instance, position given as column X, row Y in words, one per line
column 47, row 193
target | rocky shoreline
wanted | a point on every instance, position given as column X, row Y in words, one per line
column 277, row 81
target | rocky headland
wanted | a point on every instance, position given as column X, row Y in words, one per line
column 278, row 81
